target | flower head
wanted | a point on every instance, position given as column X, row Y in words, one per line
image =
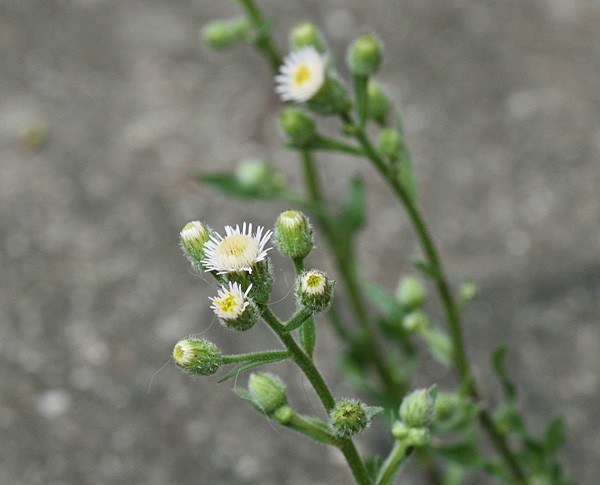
column 314, row 290
column 230, row 303
column 197, row 356
column 193, row 236
column 238, row 251
column 302, row 75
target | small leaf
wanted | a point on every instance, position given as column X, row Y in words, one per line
column 352, row 216
column 406, row 171
column 308, row 336
column 555, row 435
column 229, row 184
column 245, row 395
column 509, row 388
column 427, row 269
column 249, row 365
column 465, row 454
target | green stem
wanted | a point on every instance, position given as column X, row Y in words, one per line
column 307, row 366
column 451, row 310
column 297, row 319
column 393, row 463
column 264, row 41
column 274, row 354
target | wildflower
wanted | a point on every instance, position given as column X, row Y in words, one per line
column 314, row 290
column 302, row 75
column 234, row 308
column 238, row 251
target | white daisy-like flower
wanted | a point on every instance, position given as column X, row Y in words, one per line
column 313, row 283
column 301, row 76
column 230, row 302
column 238, row 251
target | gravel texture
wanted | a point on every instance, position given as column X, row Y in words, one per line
column 106, row 108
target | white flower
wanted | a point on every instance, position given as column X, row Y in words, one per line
column 313, row 283
column 237, row 251
column 230, row 303
column 301, row 76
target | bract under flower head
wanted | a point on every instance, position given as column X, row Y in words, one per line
column 301, row 76
column 238, row 251
column 230, row 302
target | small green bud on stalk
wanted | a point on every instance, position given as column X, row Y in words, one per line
column 197, row 356
column 297, row 126
column 410, row 436
column 416, row 409
column 193, row 236
column 389, row 143
column 348, row 417
column 284, row 414
column 268, row 391
column 293, row 234
column 258, row 175
column 314, row 290
column 364, row 56
column 416, row 321
column 306, row 35
column 225, row 33
column 379, row 104
column 411, row 292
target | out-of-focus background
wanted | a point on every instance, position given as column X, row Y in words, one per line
column 107, row 107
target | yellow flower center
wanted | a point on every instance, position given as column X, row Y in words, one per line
column 227, row 304
column 237, row 251
column 301, row 75
column 314, row 281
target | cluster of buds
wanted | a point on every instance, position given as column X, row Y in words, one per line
column 416, row 415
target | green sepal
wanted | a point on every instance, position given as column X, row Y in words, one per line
column 249, row 365
column 245, row 395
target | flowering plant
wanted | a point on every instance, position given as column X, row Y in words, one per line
column 443, row 428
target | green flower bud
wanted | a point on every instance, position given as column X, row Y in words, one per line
column 193, row 236
column 400, row 431
column 389, row 143
column 364, row 56
column 333, row 97
column 410, row 436
column 379, row 103
column 197, row 356
column 259, row 176
column 446, row 406
column 297, row 126
column 416, row 409
column 416, row 321
column 306, row 35
column 314, row 290
column 221, row 34
column 348, row 417
column 268, row 391
column 284, row 414
column 293, row 234
column 411, row 293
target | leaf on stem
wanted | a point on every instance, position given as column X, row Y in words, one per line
column 254, row 363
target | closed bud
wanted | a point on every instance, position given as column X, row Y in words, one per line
column 348, row 417
column 379, row 104
column 284, row 414
column 364, row 56
column 197, row 356
column 268, row 391
column 389, row 143
column 416, row 321
column 293, row 234
column 259, row 176
column 297, row 126
column 446, row 406
column 416, row 409
column 314, row 290
column 411, row 292
column 306, row 35
column 193, row 236
column 221, row 34
column 410, row 436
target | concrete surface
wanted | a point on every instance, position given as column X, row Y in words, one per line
column 502, row 107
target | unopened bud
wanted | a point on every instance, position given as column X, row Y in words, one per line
column 379, row 103
column 411, row 292
column 225, row 33
column 416, row 321
column 197, row 356
column 297, row 126
column 446, row 406
column 314, row 290
column 193, row 236
column 364, row 56
column 389, row 143
column 306, row 35
column 416, row 409
column 284, row 414
column 293, row 234
column 348, row 417
column 267, row 390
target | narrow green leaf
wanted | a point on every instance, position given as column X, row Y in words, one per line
column 229, row 184
column 465, row 454
column 555, row 435
column 352, row 215
column 509, row 388
column 308, row 336
column 249, row 365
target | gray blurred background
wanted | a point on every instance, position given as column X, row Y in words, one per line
column 107, row 106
